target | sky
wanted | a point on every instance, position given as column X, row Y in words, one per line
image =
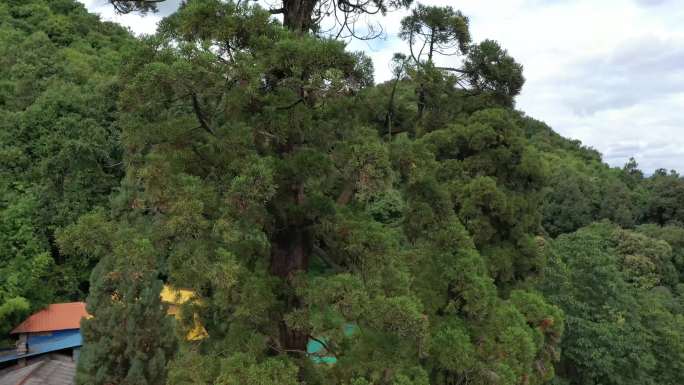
column 607, row 72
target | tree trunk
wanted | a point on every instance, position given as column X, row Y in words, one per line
column 422, row 94
column 290, row 250
column 291, row 245
column 297, row 14
column 422, row 100
column 390, row 108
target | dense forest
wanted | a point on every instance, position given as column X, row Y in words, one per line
column 422, row 230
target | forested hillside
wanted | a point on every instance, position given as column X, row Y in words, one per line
column 422, row 230
column 60, row 150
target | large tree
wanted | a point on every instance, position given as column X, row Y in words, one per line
column 444, row 58
column 431, row 30
column 261, row 187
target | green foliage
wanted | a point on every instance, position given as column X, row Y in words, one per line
column 12, row 311
column 488, row 77
column 606, row 292
column 60, row 154
column 443, row 30
column 674, row 236
column 490, row 69
column 129, row 338
column 242, row 370
column 612, row 283
column 581, row 188
column 420, row 231
column 25, row 263
column 665, row 198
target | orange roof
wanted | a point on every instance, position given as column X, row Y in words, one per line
column 58, row 316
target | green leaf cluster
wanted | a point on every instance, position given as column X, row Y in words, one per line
column 60, row 151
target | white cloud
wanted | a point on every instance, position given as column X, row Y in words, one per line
column 609, row 72
column 140, row 25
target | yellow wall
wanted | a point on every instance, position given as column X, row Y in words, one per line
column 176, row 297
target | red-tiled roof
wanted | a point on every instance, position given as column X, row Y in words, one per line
column 58, row 316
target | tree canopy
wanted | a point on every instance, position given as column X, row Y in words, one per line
column 418, row 231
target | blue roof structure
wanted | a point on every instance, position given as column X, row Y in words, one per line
column 317, row 351
column 41, row 344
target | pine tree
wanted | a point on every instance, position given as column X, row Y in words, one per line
column 129, row 339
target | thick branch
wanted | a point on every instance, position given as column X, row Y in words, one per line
column 396, row 131
column 452, row 69
column 323, row 255
column 390, row 108
column 291, row 105
column 200, row 116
